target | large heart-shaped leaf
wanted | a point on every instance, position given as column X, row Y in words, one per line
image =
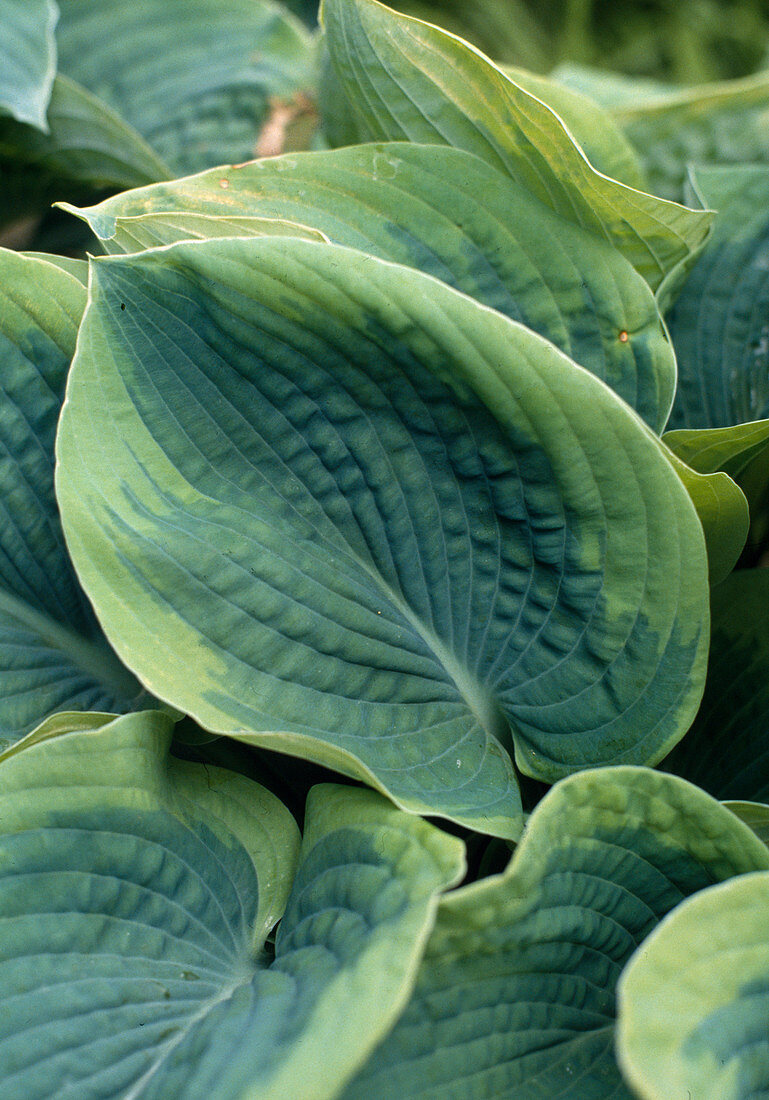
column 403, row 79
column 515, row 996
column 720, row 322
column 446, row 212
column 694, row 1000
column 197, row 88
column 52, row 652
column 350, row 514
column 136, row 898
column 726, row 750
column 27, row 59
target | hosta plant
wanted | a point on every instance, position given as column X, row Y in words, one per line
column 353, row 496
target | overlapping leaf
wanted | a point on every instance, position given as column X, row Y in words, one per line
column 724, row 123
column 403, row 79
column 87, row 149
column 694, row 999
column 723, row 512
column 593, row 127
column 52, row 652
column 726, row 750
column 449, row 214
column 136, row 898
column 516, row 992
column 197, row 88
column 27, row 59
column 742, row 452
column 720, row 322
column 351, row 514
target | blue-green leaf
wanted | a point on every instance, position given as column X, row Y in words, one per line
column 693, row 1001
column 451, row 215
column 27, row 59
column 196, row 88
column 404, row 79
column 515, row 996
column 726, row 750
column 135, row 900
column 52, row 652
column 720, row 322
column 351, row 514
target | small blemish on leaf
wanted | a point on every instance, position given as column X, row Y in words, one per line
column 623, row 337
column 122, row 305
column 224, row 184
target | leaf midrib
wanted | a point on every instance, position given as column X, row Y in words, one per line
column 93, row 658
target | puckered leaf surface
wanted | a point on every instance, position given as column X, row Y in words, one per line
column 195, row 81
column 135, row 900
column 451, row 215
column 694, row 1000
column 720, row 322
column 329, row 505
column 404, row 79
column 27, row 59
column 516, row 992
column 726, row 750
column 52, row 653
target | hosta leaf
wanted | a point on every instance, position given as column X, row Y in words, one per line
column 721, row 123
column 88, row 148
column 741, row 451
column 27, row 59
column 515, row 995
column 720, row 322
column 77, row 268
column 726, row 750
column 153, row 230
column 694, row 999
column 593, row 127
column 404, row 79
column 754, row 814
column 449, row 214
column 405, row 523
column 135, row 900
column 196, row 88
column 52, row 652
column 611, row 90
column 723, row 513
